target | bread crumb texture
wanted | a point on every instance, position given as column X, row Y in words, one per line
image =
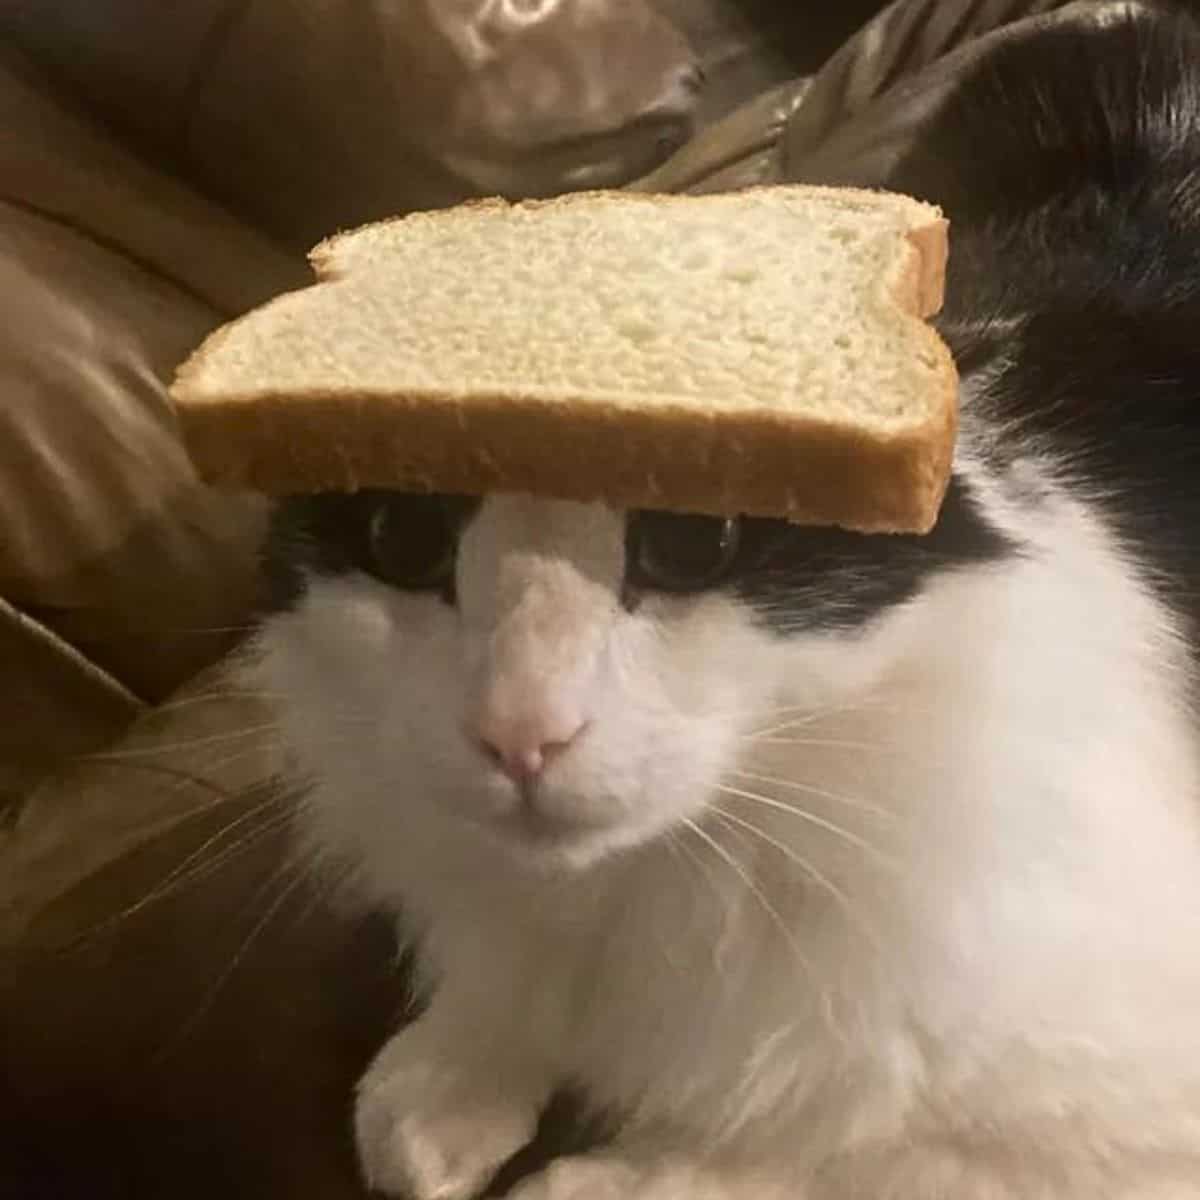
column 768, row 300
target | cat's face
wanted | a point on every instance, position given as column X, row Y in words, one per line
column 562, row 679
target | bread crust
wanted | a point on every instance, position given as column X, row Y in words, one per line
column 661, row 457
column 667, row 454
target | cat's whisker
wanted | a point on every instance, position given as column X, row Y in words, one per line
column 720, row 945
column 724, row 815
column 195, row 867
column 820, row 879
column 810, row 790
column 191, row 630
column 740, row 714
column 206, row 869
column 827, row 743
column 270, row 789
column 270, row 750
column 806, row 716
column 672, row 841
column 293, row 874
column 352, row 720
column 230, row 694
column 769, row 737
column 680, row 845
column 132, row 755
column 778, row 727
column 809, row 712
column 903, row 753
column 183, row 779
column 863, row 706
column 322, row 893
column 680, row 851
column 805, row 711
column 756, row 891
column 819, row 822
column 782, row 717
column 253, row 739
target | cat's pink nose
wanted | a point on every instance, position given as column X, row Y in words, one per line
column 522, row 748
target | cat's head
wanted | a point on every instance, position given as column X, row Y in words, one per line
column 563, row 679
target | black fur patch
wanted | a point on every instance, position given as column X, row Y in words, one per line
column 329, row 534
column 800, row 579
column 796, row 578
column 1069, row 165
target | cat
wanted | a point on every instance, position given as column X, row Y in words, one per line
column 831, row 865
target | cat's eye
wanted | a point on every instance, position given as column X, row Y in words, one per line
column 673, row 552
column 411, row 541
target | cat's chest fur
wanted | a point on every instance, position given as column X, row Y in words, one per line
column 668, row 984
column 952, row 851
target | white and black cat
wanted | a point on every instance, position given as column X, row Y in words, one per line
column 835, row 866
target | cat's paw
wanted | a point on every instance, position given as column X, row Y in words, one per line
column 584, row 1177
column 428, row 1131
column 612, row 1176
column 449, row 1151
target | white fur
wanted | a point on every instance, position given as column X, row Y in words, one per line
column 960, row 959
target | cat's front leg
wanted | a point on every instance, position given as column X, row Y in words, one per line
column 639, row 1172
column 443, row 1106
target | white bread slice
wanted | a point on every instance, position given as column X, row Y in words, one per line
column 760, row 352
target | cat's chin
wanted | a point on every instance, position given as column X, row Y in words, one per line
column 552, row 847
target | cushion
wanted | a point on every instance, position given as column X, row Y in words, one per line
column 109, row 274
column 310, row 115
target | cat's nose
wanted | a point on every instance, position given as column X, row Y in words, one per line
column 522, row 748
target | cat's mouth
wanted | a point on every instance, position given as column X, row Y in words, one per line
column 531, row 829
column 540, row 828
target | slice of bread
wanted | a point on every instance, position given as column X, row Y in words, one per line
column 761, row 352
